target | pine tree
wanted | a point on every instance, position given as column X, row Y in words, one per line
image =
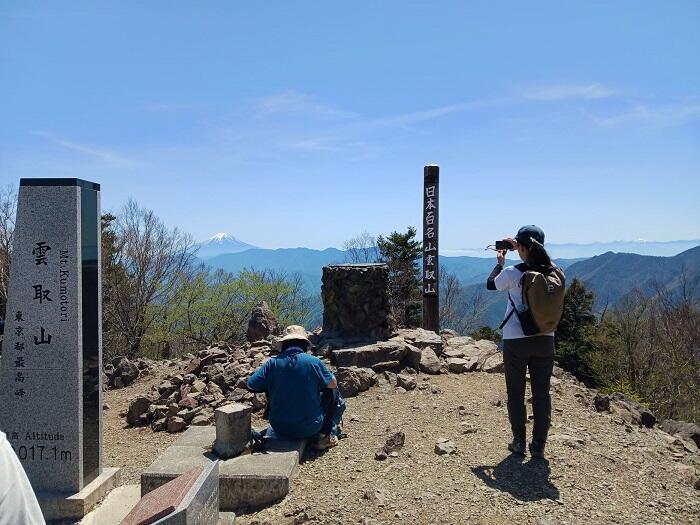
column 576, row 332
column 401, row 252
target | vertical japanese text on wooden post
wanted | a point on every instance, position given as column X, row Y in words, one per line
column 431, row 301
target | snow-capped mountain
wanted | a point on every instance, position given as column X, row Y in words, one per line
column 220, row 244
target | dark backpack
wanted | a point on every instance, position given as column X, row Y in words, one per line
column 542, row 306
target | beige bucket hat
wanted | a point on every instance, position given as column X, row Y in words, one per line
column 294, row 332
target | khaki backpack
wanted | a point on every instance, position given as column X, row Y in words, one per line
column 542, row 299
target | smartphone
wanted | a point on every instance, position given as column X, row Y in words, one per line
column 504, row 245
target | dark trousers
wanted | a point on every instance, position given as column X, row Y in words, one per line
column 536, row 354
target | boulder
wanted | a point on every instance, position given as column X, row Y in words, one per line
column 353, row 380
column 137, row 407
column 475, row 352
column 630, row 411
column 457, row 365
column 412, row 357
column 262, row 323
column 370, row 355
column 406, row 382
column 447, row 333
column 421, row 338
column 601, row 403
column 493, row 364
column 176, row 424
column 124, row 373
column 682, row 430
column 429, row 362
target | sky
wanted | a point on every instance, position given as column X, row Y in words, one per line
column 304, row 123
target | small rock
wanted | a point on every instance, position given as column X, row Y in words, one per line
column 406, row 382
column 395, row 442
column 380, row 455
column 176, row 424
column 468, row 428
column 445, row 446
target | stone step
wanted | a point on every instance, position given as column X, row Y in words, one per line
column 247, row 481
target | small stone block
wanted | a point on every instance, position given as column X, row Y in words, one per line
column 233, row 429
column 163, row 500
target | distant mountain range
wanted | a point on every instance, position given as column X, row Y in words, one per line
column 221, row 243
column 309, row 263
column 612, row 277
column 579, row 251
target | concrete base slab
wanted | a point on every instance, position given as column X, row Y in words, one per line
column 119, row 503
column 227, row 518
column 247, row 481
column 58, row 506
column 115, row 506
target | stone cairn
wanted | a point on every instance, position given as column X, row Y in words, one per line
column 356, row 302
column 262, row 323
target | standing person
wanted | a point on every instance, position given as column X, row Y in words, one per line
column 526, row 345
column 302, row 394
column 18, row 504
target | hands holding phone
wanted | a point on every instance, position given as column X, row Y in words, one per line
column 503, row 247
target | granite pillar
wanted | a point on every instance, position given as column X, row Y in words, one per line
column 50, row 380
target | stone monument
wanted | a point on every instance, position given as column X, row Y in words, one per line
column 50, row 374
column 356, row 302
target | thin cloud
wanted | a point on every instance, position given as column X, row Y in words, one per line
column 293, row 103
column 441, row 111
column 666, row 116
column 91, row 151
column 566, row 92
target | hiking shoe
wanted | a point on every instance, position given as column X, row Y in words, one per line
column 537, row 449
column 517, row 446
column 325, row 441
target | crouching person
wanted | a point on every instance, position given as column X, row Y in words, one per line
column 302, row 394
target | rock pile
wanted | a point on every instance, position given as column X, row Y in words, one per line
column 411, row 351
column 203, row 382
column 122, row 372
column 626, row 408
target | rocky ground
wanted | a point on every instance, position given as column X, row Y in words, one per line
column 600, row 469
column 132, row 448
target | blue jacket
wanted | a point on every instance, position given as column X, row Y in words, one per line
column 293, row 381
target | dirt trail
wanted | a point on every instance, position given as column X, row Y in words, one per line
column 599, row 471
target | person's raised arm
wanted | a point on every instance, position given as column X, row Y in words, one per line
column 491, row 280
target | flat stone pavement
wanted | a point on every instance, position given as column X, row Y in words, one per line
column 248, row 481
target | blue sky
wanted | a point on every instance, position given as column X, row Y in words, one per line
column 304, row 123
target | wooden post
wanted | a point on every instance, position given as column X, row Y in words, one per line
column 431, row 299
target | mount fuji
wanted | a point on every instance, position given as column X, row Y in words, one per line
column 220, row 244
